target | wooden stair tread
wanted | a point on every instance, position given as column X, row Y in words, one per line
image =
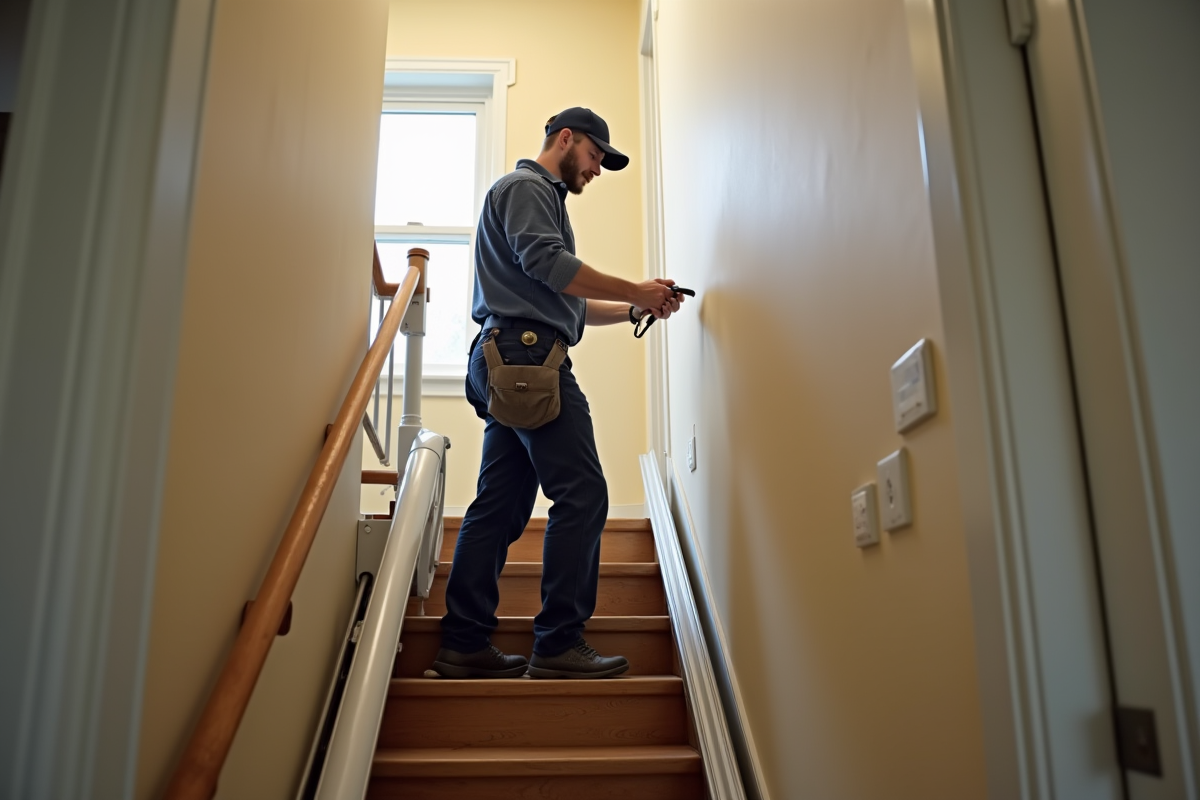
column 427, row 624
column 645, row 640
column 533, row 761
column 528, row 687
column 539, row 524
column 610, row 569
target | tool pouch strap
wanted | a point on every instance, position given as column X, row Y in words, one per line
column 523, row 396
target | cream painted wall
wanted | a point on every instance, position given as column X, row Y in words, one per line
column 275, row 306
column 794, row 202
column 562, row 61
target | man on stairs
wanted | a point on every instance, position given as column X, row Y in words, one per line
column 532, row 298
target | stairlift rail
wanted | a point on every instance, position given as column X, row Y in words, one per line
column 418, row 517
column 349, row 640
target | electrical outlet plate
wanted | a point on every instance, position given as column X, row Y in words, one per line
column 914, row 399
column 865, row 516
column 895, row 499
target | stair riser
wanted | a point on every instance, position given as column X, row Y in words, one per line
column 649, row 653
column 615, row 547
column 583, row 787
column 520, row 596
column 541, row 721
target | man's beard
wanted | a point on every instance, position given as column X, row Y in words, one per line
column 569, row 169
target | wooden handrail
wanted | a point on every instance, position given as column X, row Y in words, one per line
column 385, row 289
column 382, row 287
column 196, row 775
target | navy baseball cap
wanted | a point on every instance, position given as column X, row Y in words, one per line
column 584, row 120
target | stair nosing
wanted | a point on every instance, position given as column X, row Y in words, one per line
column 475, row 762
column 608, row 569
column 632, row 686
column 621, row 525
column 650, row 623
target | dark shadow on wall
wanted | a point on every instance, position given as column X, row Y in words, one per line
column 5, row 119
column 14, row 18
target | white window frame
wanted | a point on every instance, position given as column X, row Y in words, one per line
column 478, row 86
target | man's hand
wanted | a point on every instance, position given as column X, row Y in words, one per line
column 656, row 297
column 603, row 312
column 653, row 296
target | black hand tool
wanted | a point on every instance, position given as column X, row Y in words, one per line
column 639, row 330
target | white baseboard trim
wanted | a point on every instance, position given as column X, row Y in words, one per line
column 714, row 733
column 753, row 778
column 636, row 511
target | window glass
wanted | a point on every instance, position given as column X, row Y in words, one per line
column 426, row 169
column 448, row 310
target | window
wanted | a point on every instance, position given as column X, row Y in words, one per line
column 441, row 145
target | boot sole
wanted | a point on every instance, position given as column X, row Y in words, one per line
column 459, row 671
column 544, row 673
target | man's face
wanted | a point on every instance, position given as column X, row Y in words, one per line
column 580, row 164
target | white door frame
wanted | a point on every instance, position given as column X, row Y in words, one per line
column 1038, row 614
column 658, row 386
column 94, row 217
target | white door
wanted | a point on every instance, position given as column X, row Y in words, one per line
column 1116, row 87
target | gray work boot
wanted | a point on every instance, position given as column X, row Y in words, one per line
column 486, row 663
column 579, row 661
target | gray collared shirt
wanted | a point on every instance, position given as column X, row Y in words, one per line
column 525, row 252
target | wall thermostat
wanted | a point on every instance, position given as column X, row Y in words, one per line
column 914, row 398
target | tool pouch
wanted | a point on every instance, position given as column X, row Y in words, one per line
column 523, row 396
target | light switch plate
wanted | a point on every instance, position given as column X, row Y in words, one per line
column 895, row 499
column 866, row 518
column 914, row 398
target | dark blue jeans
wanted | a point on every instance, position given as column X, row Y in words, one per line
column 561, row 457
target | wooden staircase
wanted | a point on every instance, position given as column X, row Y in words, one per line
column 628, row 737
